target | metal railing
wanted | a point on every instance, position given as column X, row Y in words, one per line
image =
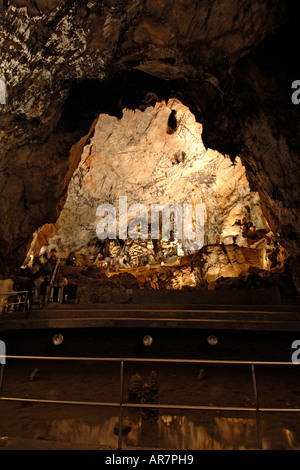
column 8, row 306
column 121, row 404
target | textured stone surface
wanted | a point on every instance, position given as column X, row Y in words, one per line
column 214, row 267
column 137, row 158
column 94, row 287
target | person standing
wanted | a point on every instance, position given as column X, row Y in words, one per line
column 43, row 291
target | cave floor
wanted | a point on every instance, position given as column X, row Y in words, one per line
column 44, row 426
column 61, row 426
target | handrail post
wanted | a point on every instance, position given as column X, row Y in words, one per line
column 121, row 405
column 25, row 302
column 1, row 377
column 257, row 407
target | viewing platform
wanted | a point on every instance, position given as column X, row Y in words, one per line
column 229, row 317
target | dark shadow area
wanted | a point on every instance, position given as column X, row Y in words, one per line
column 167, row 343
column 133, row 90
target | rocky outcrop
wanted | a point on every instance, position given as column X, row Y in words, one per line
column 214, row 267
column 230, row 62
column 137, row 158
column 93, row 286
column 214, row 262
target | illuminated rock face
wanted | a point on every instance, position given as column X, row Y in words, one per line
column 139, row 158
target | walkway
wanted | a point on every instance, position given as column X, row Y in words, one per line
column 229, row 317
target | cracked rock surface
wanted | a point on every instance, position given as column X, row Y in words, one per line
column 135, row 157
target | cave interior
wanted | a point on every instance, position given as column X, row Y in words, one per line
column 109, row 110
column 170, row 165
column 160, row 123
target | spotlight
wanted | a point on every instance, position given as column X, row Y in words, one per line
column 57, row 339
column 212, row 340
column 147, row 340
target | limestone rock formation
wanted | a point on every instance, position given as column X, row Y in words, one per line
column 134, row 157
column 94, row 287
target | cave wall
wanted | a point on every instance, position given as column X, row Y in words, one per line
column 141, row 158
column 231, row 62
